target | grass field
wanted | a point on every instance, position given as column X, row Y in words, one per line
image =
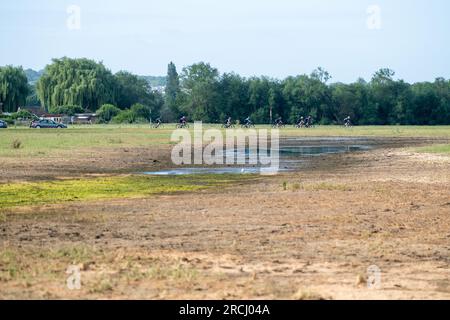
column 42, row 142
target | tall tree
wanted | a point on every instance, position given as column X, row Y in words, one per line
column 13, row 88
column 201, row 82
column 234, row 98
column 172, row 87
column 131, row 90
column 80, row 82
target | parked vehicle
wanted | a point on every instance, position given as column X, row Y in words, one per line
column 3, row 124
column 44, row 124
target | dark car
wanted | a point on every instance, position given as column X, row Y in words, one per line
column 3, row 124
column 47, row 124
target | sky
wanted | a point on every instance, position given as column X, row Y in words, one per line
column 276, row 38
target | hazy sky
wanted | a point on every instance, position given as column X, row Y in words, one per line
column 252, row 37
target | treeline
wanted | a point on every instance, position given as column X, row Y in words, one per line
column 200, row 92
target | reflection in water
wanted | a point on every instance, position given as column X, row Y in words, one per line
column 291, row 156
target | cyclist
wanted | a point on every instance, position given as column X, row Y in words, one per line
column 228, row 123
column 301, row 122
column 158, row 123
column 347, row 121
column 279, row 122
column 308, row 122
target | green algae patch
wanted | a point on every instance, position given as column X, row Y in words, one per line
column 85, row 189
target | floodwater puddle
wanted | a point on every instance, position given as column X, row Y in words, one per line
column 292, row 152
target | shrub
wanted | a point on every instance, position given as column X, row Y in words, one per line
column 125, row 116
column 107, row 112
column 23, row 114
column 140, row 111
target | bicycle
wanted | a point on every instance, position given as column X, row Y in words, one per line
column 157, row 125
column 247, row 126
column 182, row 126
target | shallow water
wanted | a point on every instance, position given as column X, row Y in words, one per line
column 211, row 170
column 292, row 152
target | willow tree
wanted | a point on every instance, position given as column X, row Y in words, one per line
column 77, row 82
column 13, row 88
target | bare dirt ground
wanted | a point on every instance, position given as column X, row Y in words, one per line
column 84, row 162
column 310, row 234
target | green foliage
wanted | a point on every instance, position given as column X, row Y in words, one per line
column 125, row 116
column 132, row 89
column 13, row 88
column 23, row 115
column 173, row 89
column 66, row 110
column 208, row 96
column 107, row 112
column 201, row 82
column 32, row 99
column 202, row 93
column 80, row 82
column 141, row 112
column 89, row 85
column 138, row 113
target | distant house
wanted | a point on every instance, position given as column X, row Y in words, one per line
column 80, row 118
column 160, row 89
column 84, row 118
column 36, row 110
column 55, row 117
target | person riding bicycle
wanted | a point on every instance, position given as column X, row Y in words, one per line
column 347, row 121
column 248, row 121
column 308, row 121
column 228, row 123
column 279, row 122
column 157, row 123
column 301, row 122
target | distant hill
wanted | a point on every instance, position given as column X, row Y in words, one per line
column 33, row 76
column 155, row 81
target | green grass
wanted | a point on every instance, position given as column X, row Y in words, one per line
column 50, row 192
column 53, row 142
column 440, row 148
column 371, row 131
column 45, row 142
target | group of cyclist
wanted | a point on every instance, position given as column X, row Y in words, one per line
column 302, row 122
column 247, row 123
